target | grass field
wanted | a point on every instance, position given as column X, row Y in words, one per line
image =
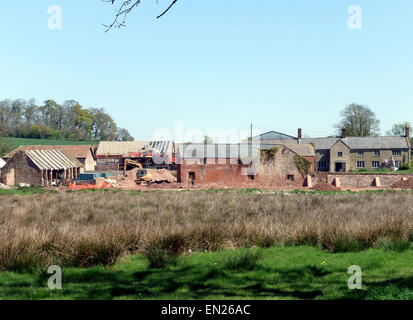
column 16, row 142
column 275, row 273
column 289, row 245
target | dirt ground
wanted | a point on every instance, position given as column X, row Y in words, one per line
column 165, row 180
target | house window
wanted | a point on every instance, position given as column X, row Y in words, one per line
column 360, row 153
column 375, row 164
column 398, row 163
column 290, row 177
column 251, row 177
column 377, row 153
column 339, row 154
column 322, row 164
column 397, row 152
column 360, row 164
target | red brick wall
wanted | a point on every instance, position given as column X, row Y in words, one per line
column 272, row 173
column 229, row 174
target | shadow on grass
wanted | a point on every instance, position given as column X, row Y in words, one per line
column 203, row 281
column 183, row 281
column 395, row 289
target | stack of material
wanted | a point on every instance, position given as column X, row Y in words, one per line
column 404, row 184
column 4, row 187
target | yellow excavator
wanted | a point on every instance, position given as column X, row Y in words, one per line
column 142, row 175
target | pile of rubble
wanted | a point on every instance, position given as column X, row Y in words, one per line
column 405, row 183
column 160, row 178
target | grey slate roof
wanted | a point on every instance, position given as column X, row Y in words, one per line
column 304, row 150
column 320, row 143
column 274, row 135
column 356, row 143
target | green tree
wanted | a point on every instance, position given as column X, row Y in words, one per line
column 5, row 147
column 207, row 140
column 399, row 129
column 359, row 121
column 124, row 135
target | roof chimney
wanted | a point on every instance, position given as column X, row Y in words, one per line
column 407, row 131
column 343, row 133
column 300, row 133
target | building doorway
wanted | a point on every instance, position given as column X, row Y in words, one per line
column 10, row 181
column 340, row 167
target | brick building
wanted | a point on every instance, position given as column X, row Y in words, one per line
column 111, row 155
column 344, row 154
column 39, row 168
column 240, row 165
column 83, row 154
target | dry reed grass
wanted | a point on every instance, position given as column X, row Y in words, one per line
column 99, row 228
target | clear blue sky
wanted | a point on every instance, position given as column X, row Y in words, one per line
column 214, row 64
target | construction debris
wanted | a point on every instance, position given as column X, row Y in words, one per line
column 404, row 184
column 160, row 178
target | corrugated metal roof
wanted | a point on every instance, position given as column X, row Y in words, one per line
column 50, row 159
column 2, row 163
column 125, row 148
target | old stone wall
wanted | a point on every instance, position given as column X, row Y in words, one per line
column 354, row 180
column 24, row 171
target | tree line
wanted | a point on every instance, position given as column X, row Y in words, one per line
column 68, row 121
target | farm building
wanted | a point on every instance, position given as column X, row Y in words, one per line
column 39, row 168
column 344, row 154
column 243, row 165
column 83, row 153
column 111, row 155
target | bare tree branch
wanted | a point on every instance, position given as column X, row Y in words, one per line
column 170, row 6
column 126, row 7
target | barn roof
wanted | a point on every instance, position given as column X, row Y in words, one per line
column 125, row 148
column 51, row 159
column 77, row 151
column 2, row 163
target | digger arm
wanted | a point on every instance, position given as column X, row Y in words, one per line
column 131, row 162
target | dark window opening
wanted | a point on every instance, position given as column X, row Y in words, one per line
column 251, row 177
column 191, row 175
column 290, row 177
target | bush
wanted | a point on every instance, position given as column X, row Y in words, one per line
column 159, row 257
column 398, row 245
column 240, row 260
column 404, row 167
column 342, row 243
